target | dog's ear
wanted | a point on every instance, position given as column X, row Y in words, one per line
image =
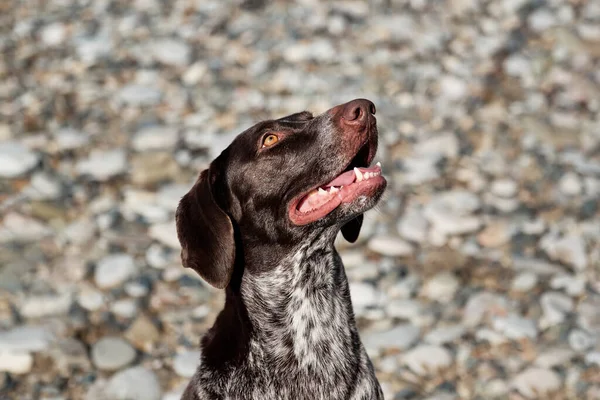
column 351, row 229
column 205, row 233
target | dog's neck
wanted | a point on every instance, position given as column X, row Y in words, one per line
column 300, row 310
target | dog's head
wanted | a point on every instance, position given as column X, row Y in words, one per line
column 277, row 183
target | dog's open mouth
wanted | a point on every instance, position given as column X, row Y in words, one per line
column 355, row 181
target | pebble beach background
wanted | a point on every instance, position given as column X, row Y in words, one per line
column 476, row 278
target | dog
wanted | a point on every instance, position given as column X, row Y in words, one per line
column 261, row 223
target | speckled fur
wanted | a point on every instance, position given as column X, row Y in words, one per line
column 305, row 344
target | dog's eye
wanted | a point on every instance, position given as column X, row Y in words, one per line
column 270, row 140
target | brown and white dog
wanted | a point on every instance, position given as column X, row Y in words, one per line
column 260, row 223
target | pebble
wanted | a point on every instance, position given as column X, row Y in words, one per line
column 155, row 138
column 427, row 359
column 21, row 229
column 568, row 249
column 70, row 139
column 413, row 226
column 103, row 165
column 524, row 282
column 139, row 95
column 399, row 337
column 16, row 159
column 165, row 233
column 44, row 187
column 25, row 339
column 125, row 308
column 112, row 353
column 404, row 308
column 515, row 327
column 44, row 306
column 185, row 364
column 390, row 246
column 554, row 357
column 364, row 295
column 555, row 306
column 171, row 52
column 483, row 304
column 573, row 285
column 581, row 341
column 445, row 334
column 505, row 188
column 441, row 287
column 570, row 184
column 114, row 270
column 135, row 383
column 450, row 213
column 69, row 353
column 15, row 362
column 90, row 299
column 534, row 382
column 142, row 333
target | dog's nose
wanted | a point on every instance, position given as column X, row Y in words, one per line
column 356, row 112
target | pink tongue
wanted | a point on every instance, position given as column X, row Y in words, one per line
column 344, row 179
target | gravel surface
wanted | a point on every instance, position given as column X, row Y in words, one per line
column 476, row 278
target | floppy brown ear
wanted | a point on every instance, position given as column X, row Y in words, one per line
column 206, row 234
column 351, row 229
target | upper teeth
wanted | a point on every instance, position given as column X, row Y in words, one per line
column 359, row 175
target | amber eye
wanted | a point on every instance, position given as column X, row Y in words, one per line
column 270, row 140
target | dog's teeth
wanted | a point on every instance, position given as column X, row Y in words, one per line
column 359, row 175
column 333, row 189
column 321, row 191
column 378, row 164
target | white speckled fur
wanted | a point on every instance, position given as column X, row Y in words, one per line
column 305, row 344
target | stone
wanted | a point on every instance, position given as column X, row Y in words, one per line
column 580, row 340
column 593, row 358
column 139, row 95
column 15, row 362
column 440, row 287
column 524, row 282
column 53, row 34
column 515, row 327
column 135, row 383
column 16, row 160
column 142, row 333
column 399, row 337
column 505, row 188
column 569, row 249
column 44, row 186
column 22, row 229
column 153, row 168
column 112, row 353
column 445, row 334
column 364, row 295
column 69, row 353
column 542, row 19
column 535, row 381
column 427, row 359
column 90, row 299
column 103, row 165
column 70, row 139
column 155, row 138
column 26, row 339
column 413, row 226
column 495, row 234
column 404, row 308
column 165, row 233
column 185, row 364
column 555, row 306
column 453, row 88
column 44, row 306
column 554, row 357
column 390, row 246
column 113, row 270
column 171, row 52
column 483, row 304
column 574, row 285
column 450, row 213
column 570, row 184
column 124, row 308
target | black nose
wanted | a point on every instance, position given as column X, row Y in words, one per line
column 357, row 111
